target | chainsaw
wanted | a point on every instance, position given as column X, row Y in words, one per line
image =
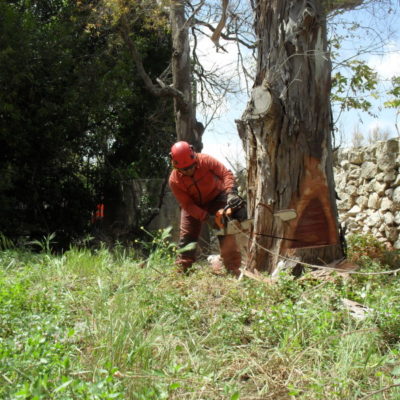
column 232, row 219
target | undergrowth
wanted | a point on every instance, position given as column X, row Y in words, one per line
column 114, row 325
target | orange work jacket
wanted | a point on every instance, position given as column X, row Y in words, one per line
column 210, row 179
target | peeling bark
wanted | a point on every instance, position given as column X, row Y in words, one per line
column 287, row 134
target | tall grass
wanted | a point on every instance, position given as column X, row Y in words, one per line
column 101, row 325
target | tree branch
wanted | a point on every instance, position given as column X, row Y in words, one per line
column 380, row 391
column 225, row 37
column 221, row 24
column 165, row 90
column 333, row 5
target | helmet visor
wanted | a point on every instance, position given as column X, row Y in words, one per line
column 186, row 168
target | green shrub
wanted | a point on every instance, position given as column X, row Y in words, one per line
column 362, row 248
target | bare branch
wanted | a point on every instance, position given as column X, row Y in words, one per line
column 221, row 24
column 333, row 5
column 137, row 58
column 225, row 37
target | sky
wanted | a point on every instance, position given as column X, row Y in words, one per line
column 221, row 138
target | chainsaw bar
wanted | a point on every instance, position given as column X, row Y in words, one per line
column 234, row 226
column 286, row 215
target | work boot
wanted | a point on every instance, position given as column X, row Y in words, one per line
column 234, row 271
column 230, row 254
column 183, row 265
column 217, row 266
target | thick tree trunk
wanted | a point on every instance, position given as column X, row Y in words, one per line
column 185, row 119
column 287, row 132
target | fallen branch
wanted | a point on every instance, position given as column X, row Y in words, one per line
column 380, row 391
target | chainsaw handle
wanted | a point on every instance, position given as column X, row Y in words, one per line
column 219, row 218
column 222, row 216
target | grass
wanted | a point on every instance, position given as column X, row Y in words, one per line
column 102, row 325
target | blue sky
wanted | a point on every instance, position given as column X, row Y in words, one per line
column 221, row 139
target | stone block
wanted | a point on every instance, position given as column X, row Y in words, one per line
column 345, row 203
column 360, row 217
column 389, row 193
column 379, row 187
column 362, row 201
column 362, row 189
column 386, row 204
column 368, row 170
column 369, row 154
column 351, row 190
column 397, row 217
column 373, row 201
column 353, row 226
column 391, row 234
column 389, row 176
column 396, row 198
column 344, row 165
column 380, row 177
column 356, row 156
column 366, row 229
column 374, row 219
column 355, row 210
column 387, row 162
column 388, row 218
column 387, row 146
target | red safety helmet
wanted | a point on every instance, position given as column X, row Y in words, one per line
column 182, row 155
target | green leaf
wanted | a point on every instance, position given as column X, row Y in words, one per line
column 174, row 386
column 188, row 247
column 235, row 396
column 63, row 386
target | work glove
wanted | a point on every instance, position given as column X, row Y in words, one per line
column 233, row 199
column 221, row 216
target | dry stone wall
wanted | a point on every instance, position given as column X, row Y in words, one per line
column 368, row 186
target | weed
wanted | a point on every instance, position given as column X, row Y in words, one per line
column 361, row 248
column 95, row 324
column 45, row 244
column 5, row 242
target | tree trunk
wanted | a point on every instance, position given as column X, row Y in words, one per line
column 286, row 129
column 185, row 119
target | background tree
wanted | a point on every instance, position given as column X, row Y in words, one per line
column 357, row 39
column 75, row 119
column 394, row 101
column 186, row 81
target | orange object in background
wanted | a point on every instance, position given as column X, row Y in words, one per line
column 99, row 213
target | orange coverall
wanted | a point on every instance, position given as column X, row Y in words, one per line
column 199, row 195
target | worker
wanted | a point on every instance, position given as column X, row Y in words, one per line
column 202, row 186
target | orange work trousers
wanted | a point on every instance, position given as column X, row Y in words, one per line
column 190, row 231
